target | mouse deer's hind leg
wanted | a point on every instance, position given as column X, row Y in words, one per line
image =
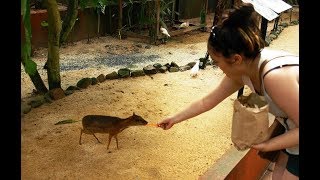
column 116, row 140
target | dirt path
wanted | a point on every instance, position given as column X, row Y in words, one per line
column 186, row 151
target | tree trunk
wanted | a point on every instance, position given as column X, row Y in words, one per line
column 31, row 68
column 37, row 81
column 69, row 20
column 54, row 30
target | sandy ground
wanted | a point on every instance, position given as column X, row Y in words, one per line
column 186, row 151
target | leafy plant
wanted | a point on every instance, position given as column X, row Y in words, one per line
column 130, row 12
column 136, row 17
column 166, row 11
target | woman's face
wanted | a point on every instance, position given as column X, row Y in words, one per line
column 227, row 65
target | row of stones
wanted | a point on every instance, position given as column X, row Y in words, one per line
column 276, row 31
column 58, row 93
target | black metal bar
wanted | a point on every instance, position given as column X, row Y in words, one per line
column 263, row 27
column 204, row 60
column 240, row 92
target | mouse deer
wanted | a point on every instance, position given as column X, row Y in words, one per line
column 109, row 124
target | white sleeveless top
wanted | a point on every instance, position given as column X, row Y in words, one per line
column 273, row 108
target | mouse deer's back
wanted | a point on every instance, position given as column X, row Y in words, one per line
column 98, row 123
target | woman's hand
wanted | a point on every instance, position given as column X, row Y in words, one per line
column 166, row 123
column 261, row 146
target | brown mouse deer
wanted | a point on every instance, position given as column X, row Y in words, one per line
column 109, row 124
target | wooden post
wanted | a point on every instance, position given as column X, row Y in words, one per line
column 263, row 28
column 207, row 6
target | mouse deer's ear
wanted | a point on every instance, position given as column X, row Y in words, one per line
column 133, row 113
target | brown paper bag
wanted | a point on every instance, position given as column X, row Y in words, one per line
column 250, row 121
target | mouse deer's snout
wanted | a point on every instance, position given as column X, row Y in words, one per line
column 138, row 120
column 142, row 121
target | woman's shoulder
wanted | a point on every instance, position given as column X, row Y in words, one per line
column 268, row 53
column 277, row 58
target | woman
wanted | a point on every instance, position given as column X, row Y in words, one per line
column 236, row 47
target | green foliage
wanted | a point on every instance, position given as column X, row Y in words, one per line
column 96, row 3
column 143, row 19
column 144, row 16
column 165, row 9
column 85, row 3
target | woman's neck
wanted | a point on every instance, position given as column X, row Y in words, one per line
column 253, row 71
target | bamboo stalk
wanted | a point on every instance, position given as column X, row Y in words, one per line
column 120, row 15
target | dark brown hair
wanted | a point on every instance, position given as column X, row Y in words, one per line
column 237, row 32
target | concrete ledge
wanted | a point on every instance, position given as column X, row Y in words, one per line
column 224, row 165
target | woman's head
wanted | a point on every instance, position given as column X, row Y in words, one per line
column 237, row 33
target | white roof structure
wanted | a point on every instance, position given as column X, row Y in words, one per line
column 269, row 9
